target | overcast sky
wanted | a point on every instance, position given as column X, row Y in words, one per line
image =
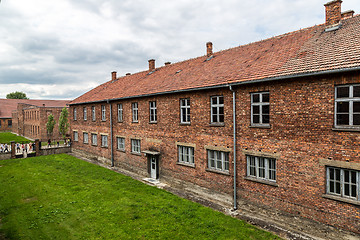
column 60, row 49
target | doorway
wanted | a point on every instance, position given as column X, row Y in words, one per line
column 153, row 166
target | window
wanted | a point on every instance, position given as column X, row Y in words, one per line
column 185, row 110
column 86, row 137
column 343, row 183
column 104, row 140
column 260, row 109
column 135, row 146
column 120, row 112
column 218, row 160
column 217, row 109
column 85, row 114
column 103, row 113
column 261, row 168
column 93, row 116
column 9, row 123
column 186, row 155
column 75, row 114
column 347, row 106
column 153, row 116
column 76, row 136
column 135, row 112
column 94, row 139
column 120, row 143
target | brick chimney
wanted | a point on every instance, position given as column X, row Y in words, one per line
column 209, row 49
column 333, row 12
column 167, row 63
column 113, row 75
column 151, row 65
column 347, row 14
column 128, row 74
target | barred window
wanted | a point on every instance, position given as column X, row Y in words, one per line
column 186, row 154
column 218, row 160
column 261, row 168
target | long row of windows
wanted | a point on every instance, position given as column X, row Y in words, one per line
column 347, row 109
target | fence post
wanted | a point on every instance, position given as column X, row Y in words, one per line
column 13, row 150
column 37, row 147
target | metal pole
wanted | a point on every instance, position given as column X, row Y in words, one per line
column 234, row 141
column 111, row 136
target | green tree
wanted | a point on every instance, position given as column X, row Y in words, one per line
column 16, row 95
column 50, row 125
column 64, row 122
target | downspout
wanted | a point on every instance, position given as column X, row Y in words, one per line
column 111, row 136
column 234, row 142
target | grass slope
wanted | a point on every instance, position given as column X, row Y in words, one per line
column 7, row 137
column 62, row 197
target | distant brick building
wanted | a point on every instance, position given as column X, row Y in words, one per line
column 29, row 117
column 275, row 122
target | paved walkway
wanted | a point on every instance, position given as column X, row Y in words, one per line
column 281, row 223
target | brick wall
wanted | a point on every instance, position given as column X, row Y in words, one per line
column 300, row 137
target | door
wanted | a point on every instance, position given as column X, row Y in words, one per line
column 153, row 167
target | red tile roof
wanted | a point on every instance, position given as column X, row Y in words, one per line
column 7, row 106
column 308, row 51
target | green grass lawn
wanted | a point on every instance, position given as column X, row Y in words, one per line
column 7, row 137
column 62, row 197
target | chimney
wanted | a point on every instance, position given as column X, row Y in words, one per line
column 347, row 14
column 167, row 63
column 333, row 12
column 151, row 65
column 209, row 49
column 128, row 74
column 113, row 76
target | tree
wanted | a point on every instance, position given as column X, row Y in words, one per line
column 50, row 125
column 16, row 95
column 63, row 122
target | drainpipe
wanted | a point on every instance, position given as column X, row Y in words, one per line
column 234, row 140
column 111, row 136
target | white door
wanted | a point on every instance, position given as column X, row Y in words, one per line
column 153, row 167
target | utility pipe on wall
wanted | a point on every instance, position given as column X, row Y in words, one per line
column 111, row 136
column 234, row 142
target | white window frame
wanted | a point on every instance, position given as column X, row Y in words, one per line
column 86, row 137
column 135, row 112
column 93, row 113
column 342, row 183
column 218, row 106
column 75, row 114
column 103, row 113
column 76, row 136
column 260, row 168
column 152, row 111
column 351, row 100
column 120, row 143
column 135, row 146
column 94, row 139
column 186, row 155
column 259, row 104
column 104, row 140
column 185, row 110
column 120, row 112
column 218, row 157
column 85, row 113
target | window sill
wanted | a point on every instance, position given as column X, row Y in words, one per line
column 152, row 122
column 120, row 150
column 274, row 184
column 95, row 145
column 217, row 124
column 103, row 120
column 136, row 153
column 135, row 122
column 185, row 124
column 186, row 164
column 341, row 199
column 260, row 126
column 85, row 143
column 218, row 171
column 104, row 146
column 120, row 121
column 345, row 129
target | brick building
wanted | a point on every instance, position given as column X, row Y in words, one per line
column 275, row 122
column 29, row 117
